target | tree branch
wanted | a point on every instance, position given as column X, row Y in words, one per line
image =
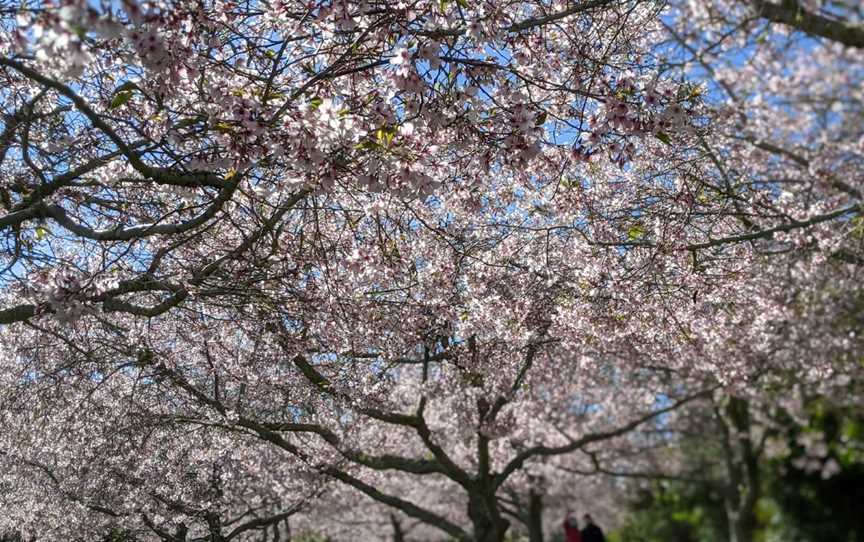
column 791, row 13
column 541, row 450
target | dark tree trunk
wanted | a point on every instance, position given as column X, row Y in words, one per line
column 535, row 517
column 742, row 465
column 486, row 519
column 214, row 523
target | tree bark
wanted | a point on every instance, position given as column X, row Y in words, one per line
column 486, row 520
column 792, row 13
column 535, row 517
column 742, row 465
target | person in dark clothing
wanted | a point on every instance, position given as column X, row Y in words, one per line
column 591, row 532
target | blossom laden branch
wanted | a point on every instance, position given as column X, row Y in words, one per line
column 795, row 15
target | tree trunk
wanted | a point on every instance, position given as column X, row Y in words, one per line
column 214, row 523
column 535, row 517
column 486, row 520
column 742, row 464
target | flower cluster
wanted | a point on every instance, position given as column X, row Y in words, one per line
column 68, row 294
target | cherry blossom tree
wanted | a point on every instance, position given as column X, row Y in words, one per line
column 360, row 402
column 440, row 243
column 156, row 158
column 135, row 133
column 786, row 128
column 102, row 455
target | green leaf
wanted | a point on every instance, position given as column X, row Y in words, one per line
column 119, row 99
column 541, row 118
column 367, row 145
column 857, row 227
column 128, row 85
column 635, row 232
column 80, row 31
column 41, row 232
column 385, row 136
column 662, row 136
column 315, row 103
column 187, row 122
column 696, row 91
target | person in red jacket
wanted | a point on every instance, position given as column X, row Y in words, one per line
column 571, row 527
